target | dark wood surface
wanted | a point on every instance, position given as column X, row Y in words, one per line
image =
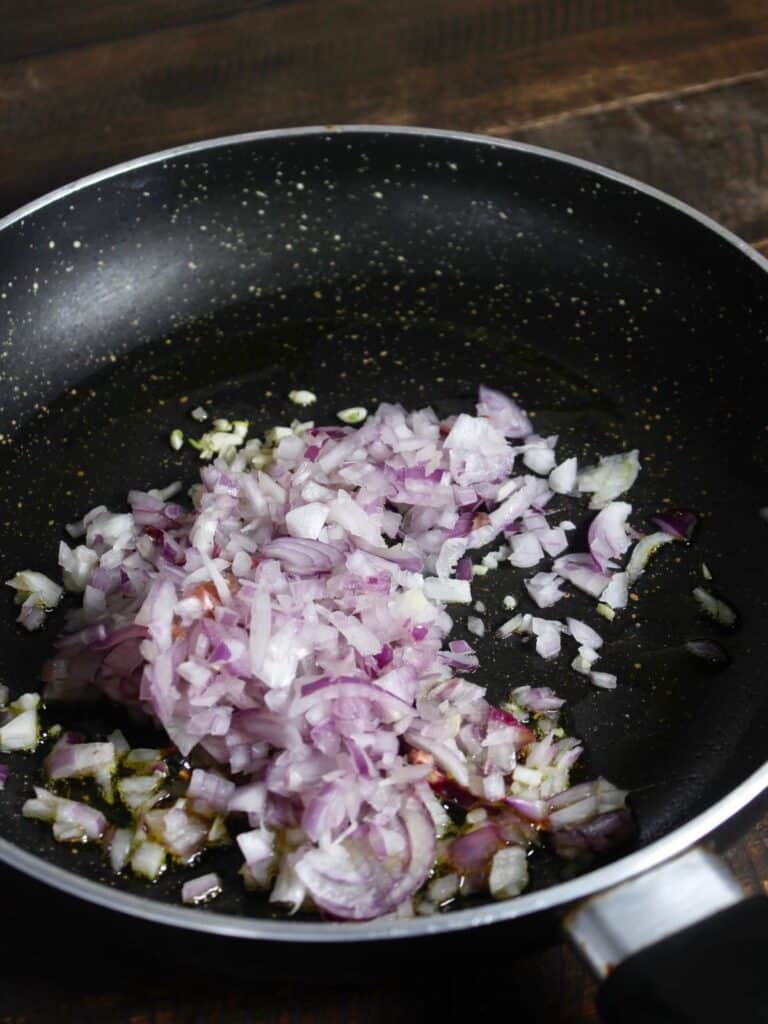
column 672, row 91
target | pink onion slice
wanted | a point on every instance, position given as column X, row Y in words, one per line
column 348, row 881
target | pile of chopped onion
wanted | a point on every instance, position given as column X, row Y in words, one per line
column 292, row 629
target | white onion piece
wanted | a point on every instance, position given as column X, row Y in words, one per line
column 616, row 593
column 443, row 888
column 37, row 594
column 603, row 680
column 76, row 821
column 611, row 477
column 22, row 732
column 77, row 566
column 119, row 847
column 539, row 455
column 476, row 626
column 583, row 633
column 505, row 414
column 307, row 520
column 544, row 588
column 526, row 550
column 201, row 889
column 79, row 760
column 608, row 538
column 562, row 479
column 579, row 569
column 509, row 872
column 288, row 888
column 547, row 635
column 642, row 552
column 584, row 660
column 148, row 860
column 139, row 792
column 449, row 591
column 181, row 833
column 717, row 609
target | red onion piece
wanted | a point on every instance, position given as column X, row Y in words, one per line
column 677, row 523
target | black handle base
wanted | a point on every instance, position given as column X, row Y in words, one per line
column 715, row 972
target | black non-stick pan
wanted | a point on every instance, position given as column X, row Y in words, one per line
column 405, row 265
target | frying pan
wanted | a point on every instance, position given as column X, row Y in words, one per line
column 411, row 265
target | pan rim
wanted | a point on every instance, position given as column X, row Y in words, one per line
column 227, row 925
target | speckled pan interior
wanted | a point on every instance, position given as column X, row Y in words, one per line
column 375, row 266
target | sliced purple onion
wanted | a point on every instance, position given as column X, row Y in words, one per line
column 474, row 850
column 678, row 523
column 348, row 882
column 603, row 834
column 302, row 557
column 579, row 569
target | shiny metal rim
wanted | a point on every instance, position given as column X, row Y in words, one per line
column 535, row 902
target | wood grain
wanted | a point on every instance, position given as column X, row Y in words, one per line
column 46, row 26
column 487, row 65
column 707, row 146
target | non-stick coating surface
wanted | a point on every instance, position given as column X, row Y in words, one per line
column 399, row 267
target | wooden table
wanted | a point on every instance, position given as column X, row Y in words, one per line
column 672, row 91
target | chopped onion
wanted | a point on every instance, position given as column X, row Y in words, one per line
column 717, row 609
column 77, row 760
column 584, row 634
column 562, row 479
column 354, row 415
column 450, row 591
column 505, row 414
column 443, row 888
column 611, row 477
column 679, row 525
column 148, row 860
column 579, row 569
column 290, row 633
column 37, row 594
column 608, row 538
column 202, row 889
column 302, row 397
column 21, row 730
column 544, row 588
column 509, row 872
column 603, row 680
column 72, row 821
column 642, row 552
column 119, row 848
column 606, row 832
column 475, row 625
column 616, row 593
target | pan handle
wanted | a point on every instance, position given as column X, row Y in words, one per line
column 678, row 945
